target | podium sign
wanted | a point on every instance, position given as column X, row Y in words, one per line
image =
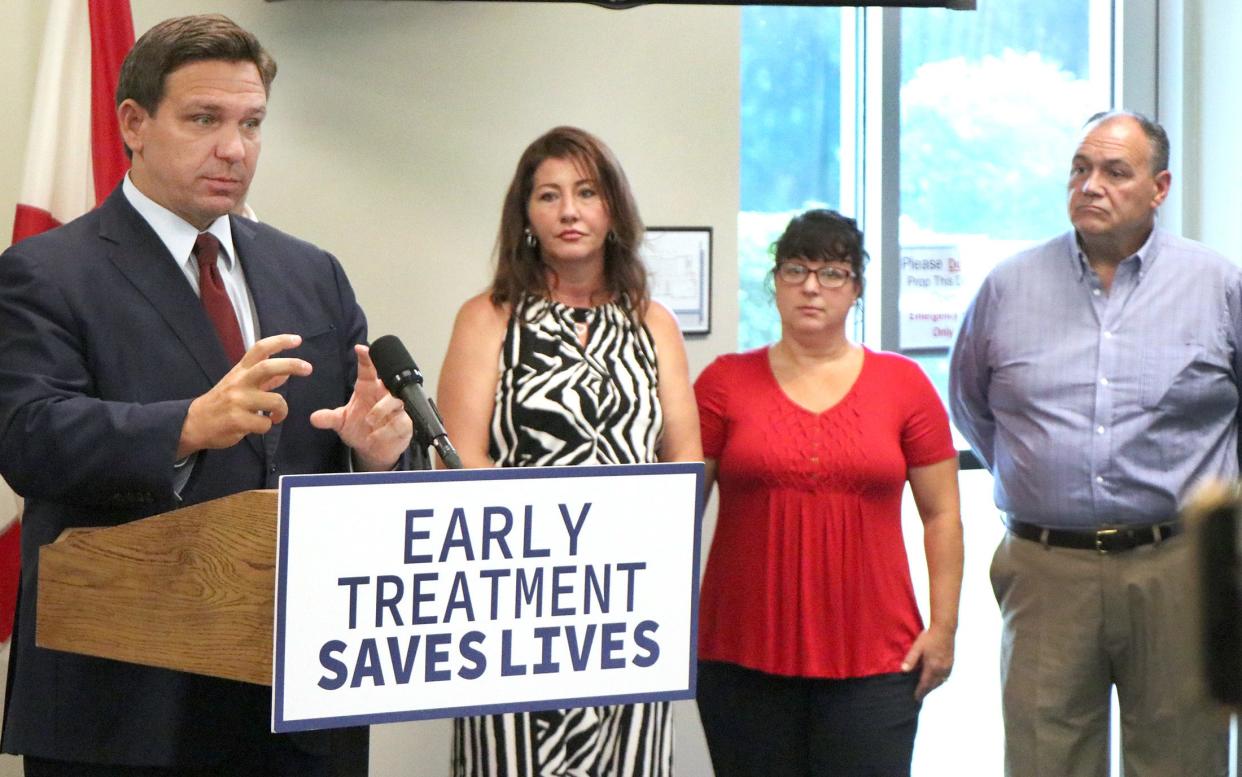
column 412, row 595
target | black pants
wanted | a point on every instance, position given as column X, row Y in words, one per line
column 763, row 725
column 267, row 755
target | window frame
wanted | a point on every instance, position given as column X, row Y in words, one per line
column 1134, row 85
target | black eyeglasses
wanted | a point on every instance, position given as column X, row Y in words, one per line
column 794, row 273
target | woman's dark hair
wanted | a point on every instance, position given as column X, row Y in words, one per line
column 823, row 235
column 519, row 268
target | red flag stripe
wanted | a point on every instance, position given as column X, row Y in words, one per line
column 10, row 566
column 68, row 195
column 30, row 220
column 112, row 36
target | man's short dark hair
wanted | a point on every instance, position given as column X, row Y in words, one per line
column 176, row 42
column 1156, row 136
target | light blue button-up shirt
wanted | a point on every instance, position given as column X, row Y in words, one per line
column 1094, row 407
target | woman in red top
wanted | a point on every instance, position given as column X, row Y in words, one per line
column 813, row 659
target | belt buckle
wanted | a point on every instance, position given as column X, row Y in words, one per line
column 1100, row 535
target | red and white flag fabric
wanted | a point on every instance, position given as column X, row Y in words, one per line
column 74, row 158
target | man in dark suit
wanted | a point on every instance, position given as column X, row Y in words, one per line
column 156, row 353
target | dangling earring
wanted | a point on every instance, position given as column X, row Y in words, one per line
column 531, row 240
column 611, row 237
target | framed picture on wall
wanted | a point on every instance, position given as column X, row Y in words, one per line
column 679, row 266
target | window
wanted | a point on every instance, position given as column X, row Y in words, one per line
column 990, row 105
column 791, row 142
column 977, row 113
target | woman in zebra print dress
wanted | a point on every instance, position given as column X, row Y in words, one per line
column 566, row 360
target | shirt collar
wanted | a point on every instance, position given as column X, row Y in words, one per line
column 1144, row 258
column 1149, row 251
column 177, row 234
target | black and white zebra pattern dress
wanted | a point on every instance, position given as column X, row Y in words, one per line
column 560, row 402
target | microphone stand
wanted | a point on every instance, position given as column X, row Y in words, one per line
column 420, row 447
column 420, row 454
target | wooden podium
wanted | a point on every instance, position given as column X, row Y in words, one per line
column 192, row 589
column 362, row 612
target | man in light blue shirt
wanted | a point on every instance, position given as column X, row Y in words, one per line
column 1097, row 377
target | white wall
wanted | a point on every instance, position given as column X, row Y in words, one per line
column 1214, row 67
column 1200, row 64
column 394, row 128
column 393, row 131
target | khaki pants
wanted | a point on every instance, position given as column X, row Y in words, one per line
column 1076, row 623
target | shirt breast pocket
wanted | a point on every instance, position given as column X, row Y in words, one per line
column 1180, row 376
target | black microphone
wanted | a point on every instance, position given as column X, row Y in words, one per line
column 401, row 376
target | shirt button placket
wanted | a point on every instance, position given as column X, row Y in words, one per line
column 1103, row 405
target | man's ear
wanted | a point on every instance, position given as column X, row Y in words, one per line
column 132, row 117
column 1164, row 179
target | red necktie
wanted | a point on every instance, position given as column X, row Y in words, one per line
column 215, row 298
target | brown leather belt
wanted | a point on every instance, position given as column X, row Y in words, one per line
column 1107, row 539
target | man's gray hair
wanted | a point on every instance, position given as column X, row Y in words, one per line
column 1156, row 136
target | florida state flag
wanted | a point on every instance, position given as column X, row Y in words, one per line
column 74, row 158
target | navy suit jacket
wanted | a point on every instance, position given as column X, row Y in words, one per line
column 103, row 345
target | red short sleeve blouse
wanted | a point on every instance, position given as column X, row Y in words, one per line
column 807, row 574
